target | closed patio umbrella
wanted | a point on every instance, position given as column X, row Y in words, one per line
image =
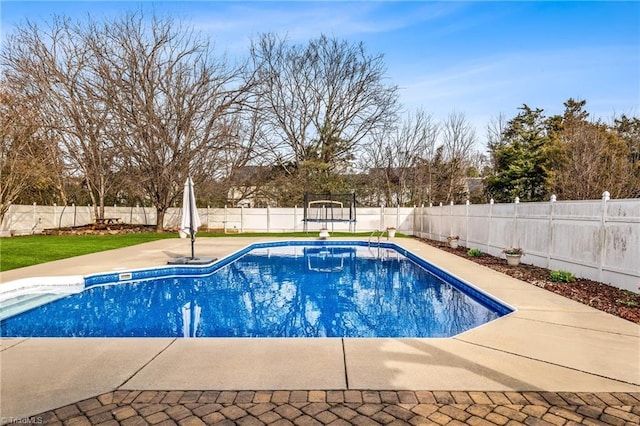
column 189, row 224
column 190, row 218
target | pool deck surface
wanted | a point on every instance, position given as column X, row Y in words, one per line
column 553, row 357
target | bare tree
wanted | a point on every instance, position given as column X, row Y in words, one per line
column 458, row 140
column 593, row 158
column 399, row 160
column 14, row 143
column 56, row 65
column 173, row 103
column 420, row 133
column 320, row 100
column 628, row 128
column 24, row 156
column 378, row 160
column 495, row 135
column 245, row 169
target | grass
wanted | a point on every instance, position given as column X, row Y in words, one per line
column 18, row 252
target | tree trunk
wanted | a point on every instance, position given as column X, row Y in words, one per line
column 94, row 202
column 101, row 207
column 160, row 220
column 101, row 195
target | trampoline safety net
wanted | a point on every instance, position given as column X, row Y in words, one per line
column 330, row 208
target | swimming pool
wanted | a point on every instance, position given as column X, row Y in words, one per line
column 279, row 289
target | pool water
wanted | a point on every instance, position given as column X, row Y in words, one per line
column 273, row 291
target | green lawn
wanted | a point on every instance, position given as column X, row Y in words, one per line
column 17, row 252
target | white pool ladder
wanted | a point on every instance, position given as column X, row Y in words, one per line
column 373, row 234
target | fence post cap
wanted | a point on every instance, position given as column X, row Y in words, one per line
column 606, row 195
column 516, row 200
column 553, row 198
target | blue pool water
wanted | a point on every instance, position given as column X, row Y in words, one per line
column 272, row 290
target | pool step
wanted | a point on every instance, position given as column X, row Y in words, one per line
column 25, row 302
column 21, row 295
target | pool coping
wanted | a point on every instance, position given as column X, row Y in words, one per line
column 550, row 343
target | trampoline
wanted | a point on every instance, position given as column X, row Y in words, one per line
column 327, row 209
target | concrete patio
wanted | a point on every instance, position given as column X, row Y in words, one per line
column 549, row 344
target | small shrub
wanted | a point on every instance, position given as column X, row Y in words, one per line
column 474, row 252
column 562, row 276
column 630, row 301
column 514, row 250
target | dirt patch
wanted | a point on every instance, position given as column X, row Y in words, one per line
column 621, row 303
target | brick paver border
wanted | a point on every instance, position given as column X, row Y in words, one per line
column 345, row 407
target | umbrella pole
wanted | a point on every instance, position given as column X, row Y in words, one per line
column 193, row 241
column 193, row 237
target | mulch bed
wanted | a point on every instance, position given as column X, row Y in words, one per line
column 101, row 229
column 621, row 303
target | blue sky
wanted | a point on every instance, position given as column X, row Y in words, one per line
column 479, row 58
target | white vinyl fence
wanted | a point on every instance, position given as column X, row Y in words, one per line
column 25, row 219
column 596, row 239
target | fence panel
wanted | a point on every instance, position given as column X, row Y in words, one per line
column 478, row 226
column 284, row 220
column 19, row 219
column 621, row 248
column 369, row 219
column 400, row 218
column 531, row 224
column 597, row 239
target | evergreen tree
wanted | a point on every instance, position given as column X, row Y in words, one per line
column 522, row 160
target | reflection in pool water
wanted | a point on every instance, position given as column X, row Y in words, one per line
column 291, row 291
